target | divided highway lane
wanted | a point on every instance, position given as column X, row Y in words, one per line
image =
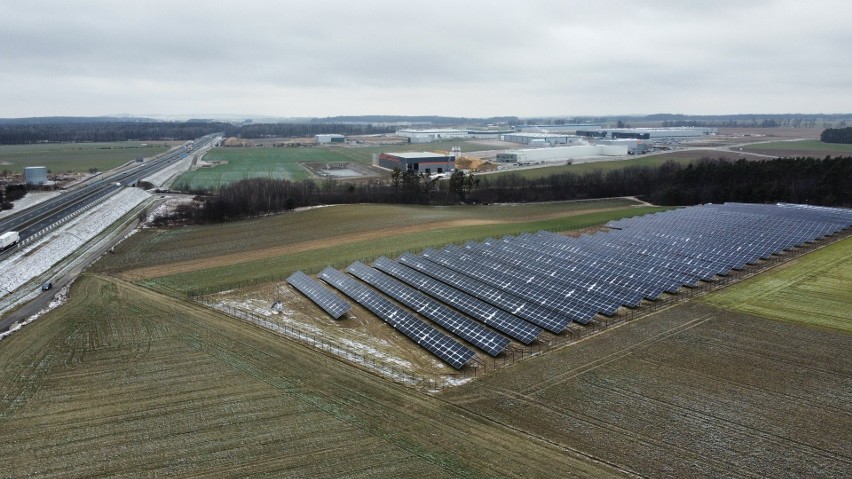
column 33, row 220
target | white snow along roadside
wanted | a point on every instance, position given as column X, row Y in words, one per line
column 37, row 258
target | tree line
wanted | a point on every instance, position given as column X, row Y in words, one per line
column 837, row 135
column 300, row 130
column 96, row 131
column 57, row 131
column 825, row 181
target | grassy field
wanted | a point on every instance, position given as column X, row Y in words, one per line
column 815, row 289
column 75, row 157
column 813, row 148
column 283, row 163
column 122, row 381
column 656, row 160
column 212, row 258
column 241, row 163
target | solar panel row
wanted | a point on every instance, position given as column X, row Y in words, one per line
column 467, row 304
column 463, row 327
column 436, row 342
column 505, row 300
column 331, row 303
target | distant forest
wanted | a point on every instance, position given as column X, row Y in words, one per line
column 837, row 135
column 825, row 182
column 97, row 131
column 27, row 132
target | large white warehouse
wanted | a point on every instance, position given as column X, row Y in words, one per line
column 541, row 139
column 560, row 153
column 426, row 136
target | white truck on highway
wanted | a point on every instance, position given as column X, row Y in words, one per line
column 9, row 238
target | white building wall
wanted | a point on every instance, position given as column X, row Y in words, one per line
column 567, row 152
column 35, row 175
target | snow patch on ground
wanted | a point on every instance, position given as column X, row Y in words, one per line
column 31, row 199
column 166, row 208
column 362, row 348
column 163, row 176
column 37, row 258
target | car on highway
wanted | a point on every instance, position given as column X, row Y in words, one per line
column 47, row 285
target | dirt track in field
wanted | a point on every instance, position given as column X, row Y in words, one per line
column 138, row 274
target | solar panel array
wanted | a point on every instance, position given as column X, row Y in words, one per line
column 331, row 303
column 436, row 342
column 522, row 285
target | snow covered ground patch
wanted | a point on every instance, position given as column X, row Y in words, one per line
column 37, row 258
column 163, row 176
column 166, row 208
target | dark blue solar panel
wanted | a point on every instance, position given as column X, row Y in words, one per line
column 325, row 299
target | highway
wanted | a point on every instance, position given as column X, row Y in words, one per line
column 32, row 221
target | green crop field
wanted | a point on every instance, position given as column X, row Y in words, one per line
column 75, row 157
column 242, row 163
column 815, row 289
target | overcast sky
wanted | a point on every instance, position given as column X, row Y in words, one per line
column 454, row 58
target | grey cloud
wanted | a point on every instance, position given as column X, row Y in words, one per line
column 535, row 57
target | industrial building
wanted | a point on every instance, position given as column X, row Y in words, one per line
column 330, row 138
column 489, row 133
column 419, row 162
column 634, row 146
column 541, row 139
column 561, row 153
column 563, row 128
column 426, row 136
column 653, row 134
column 35, row 175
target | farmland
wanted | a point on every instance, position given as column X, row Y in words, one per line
column 693, row 391
column 580, row 168
column 813, row 148
column 815, row 290
column 188, row 260
column 75, row 157
column 123, row 379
